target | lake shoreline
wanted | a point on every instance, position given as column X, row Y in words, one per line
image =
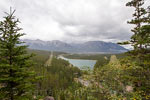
column 80, row 63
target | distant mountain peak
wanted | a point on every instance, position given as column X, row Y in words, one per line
column 86, row 47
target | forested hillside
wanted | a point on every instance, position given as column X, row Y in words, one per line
column 54, row 79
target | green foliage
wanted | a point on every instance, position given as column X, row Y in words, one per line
column 100, row 63
column 122, row 79
column 139, row 59
column 15, row 76
column 104, row 59
column 140, row 40
column 40, row 56
column 57, row 78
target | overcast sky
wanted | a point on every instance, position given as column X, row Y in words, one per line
column 72, row 20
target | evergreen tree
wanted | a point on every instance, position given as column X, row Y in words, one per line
column 140, row 40
column 137, row 21
column 141, row 20
column 15, row 75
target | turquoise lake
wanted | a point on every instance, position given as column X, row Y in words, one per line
column 80, row 63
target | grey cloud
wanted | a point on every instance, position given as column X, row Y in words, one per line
column 72, row 20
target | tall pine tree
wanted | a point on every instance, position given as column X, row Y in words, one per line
column 140, row 39
column 15, row 75
column 137, row 21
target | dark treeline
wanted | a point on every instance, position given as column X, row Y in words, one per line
column 92, row 56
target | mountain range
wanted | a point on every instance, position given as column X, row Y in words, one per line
column 86, row 47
